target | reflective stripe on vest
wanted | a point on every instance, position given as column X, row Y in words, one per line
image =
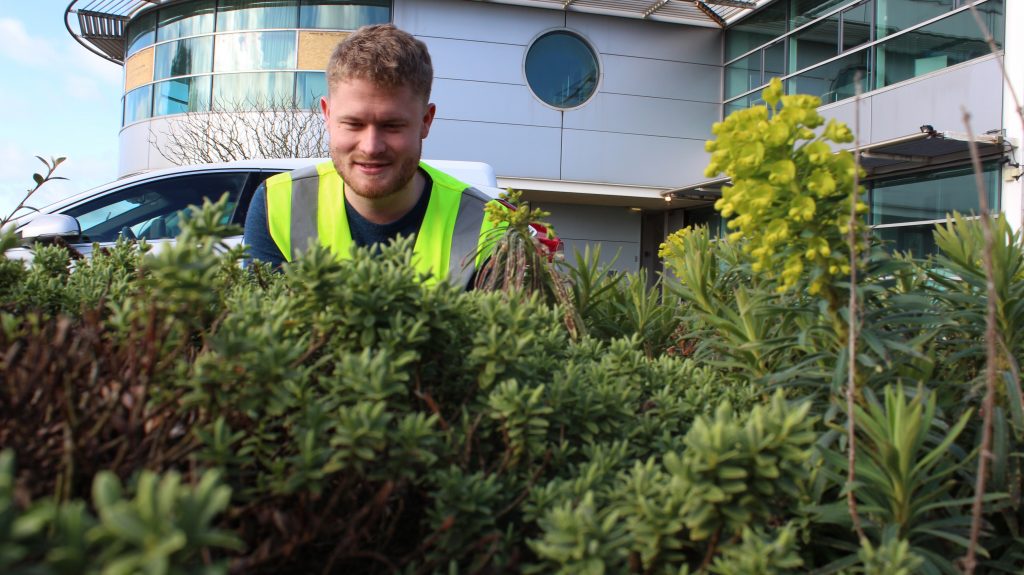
column 447, row 245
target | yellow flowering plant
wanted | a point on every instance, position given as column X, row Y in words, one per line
column 790, row 194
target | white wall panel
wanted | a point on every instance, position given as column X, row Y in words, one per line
column 616, row 230
column 845, row 112
column 660, row 78
column 630, row 159
column 475, row 60
column 645, row 116
column 584, row 221
column 486, row 102
column 133, row 149
column 645, row 39
column 497, row 23
column 936, row 100
column 521, row 151
column 622, row 257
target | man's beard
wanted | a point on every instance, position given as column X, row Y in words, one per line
column 370, row 187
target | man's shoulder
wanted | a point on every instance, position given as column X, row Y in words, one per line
column 445, row 181
column 303, row 173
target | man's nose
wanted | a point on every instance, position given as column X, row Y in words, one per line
column 372, row 142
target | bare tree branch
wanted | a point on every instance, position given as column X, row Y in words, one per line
column 991, row 336
column 242, row 130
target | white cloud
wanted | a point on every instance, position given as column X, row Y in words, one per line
column 16, row 44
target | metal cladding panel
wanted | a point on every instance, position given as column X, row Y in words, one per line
column 623, row 257
column 936, row 100
column 644, row 116
column 496, row 23
column 579, row 221
column 475, row 60
column 660, row 78
column 846, row 113
column 512, row 150
column 134, row 149
column 631, row 159
column 488, row 102
column 646, row 39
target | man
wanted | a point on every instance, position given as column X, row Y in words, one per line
column 375, row 188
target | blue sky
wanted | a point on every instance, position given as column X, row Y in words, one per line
column 57, row 99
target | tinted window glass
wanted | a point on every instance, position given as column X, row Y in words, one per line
column 141, row 33
column 755, row 30
column 944, row 43
column 138, row 104
column 150, row 210
column 857, row 25
column 896, row 15
column 343, row 15
column 254, row 90
column 187, row 19
column 255, row 51
column 815, row 43
column 309, row 87
column 183, row 58
column 743, row 75
column 182, row 95
column 256, row 14
column 905, row 208
column 833, row 81
column 561, row 69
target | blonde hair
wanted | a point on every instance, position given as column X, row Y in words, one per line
column 386, row 57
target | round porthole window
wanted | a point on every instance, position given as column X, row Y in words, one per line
column 562, row 69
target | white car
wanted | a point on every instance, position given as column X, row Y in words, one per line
column 147, row 205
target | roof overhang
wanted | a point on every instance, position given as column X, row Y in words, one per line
column 707, row 13
column 98, row 25
column 927, row 149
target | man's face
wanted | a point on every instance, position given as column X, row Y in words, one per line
column 376, row 135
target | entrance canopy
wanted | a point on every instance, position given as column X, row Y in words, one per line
column 925, row 150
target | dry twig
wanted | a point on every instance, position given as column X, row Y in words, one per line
column 991, row 336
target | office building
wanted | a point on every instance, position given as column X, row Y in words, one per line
column 599, row 109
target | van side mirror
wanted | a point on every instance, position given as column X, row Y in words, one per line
column 51, row 226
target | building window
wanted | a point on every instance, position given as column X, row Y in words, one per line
column 260, row 90
column 183, row 58
column 138, row 104
column 938, row 45
column 827, row 42
column 182, row 95
column 562, row 69
column 309, row 88
column 761, row 27
column 184, row 20
column 255, row 51
column 256, row 14
column 898, row 15
column 833, row 81
column 141, row 32
column 343, row 14
column 905, row 209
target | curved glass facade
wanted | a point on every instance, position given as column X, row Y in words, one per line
column 227, row 55
column 818, row 46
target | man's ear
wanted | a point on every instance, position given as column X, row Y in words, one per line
column 428, row 119
column 324, row 108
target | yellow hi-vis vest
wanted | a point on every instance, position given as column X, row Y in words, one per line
column 308, row 204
